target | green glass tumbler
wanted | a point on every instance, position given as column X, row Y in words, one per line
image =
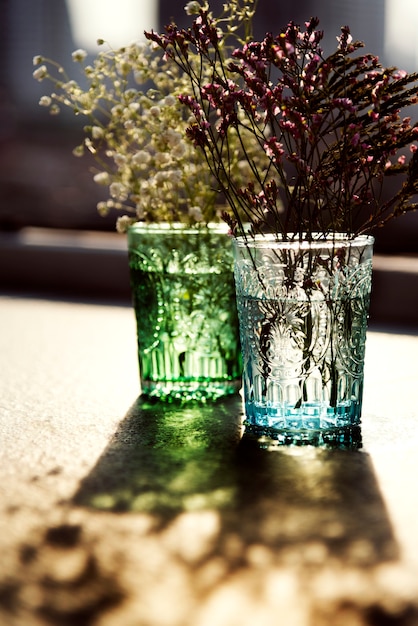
column 184, row 299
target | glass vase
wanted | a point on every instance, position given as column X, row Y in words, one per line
column 303, row 311
column 184, row 299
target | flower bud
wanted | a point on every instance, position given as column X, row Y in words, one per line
column 192, row 8
column 102, row 178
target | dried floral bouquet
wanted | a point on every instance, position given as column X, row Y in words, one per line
column 332, row 130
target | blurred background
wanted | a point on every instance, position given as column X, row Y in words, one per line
column 43, row 185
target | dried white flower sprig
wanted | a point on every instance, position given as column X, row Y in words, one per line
column 136, row 136
column 136, row 130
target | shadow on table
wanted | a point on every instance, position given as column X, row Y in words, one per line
column 165, row 461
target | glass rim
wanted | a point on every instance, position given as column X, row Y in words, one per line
column 318, row 241
column 170, row 228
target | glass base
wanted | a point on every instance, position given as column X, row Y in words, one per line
column 312, row 423
column 344, row 437
column 309, row 415
column 187, row 390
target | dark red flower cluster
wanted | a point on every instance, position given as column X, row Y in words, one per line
column 330, row 128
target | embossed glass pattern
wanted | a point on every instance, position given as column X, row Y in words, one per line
column 303, row 310
column 184, row 299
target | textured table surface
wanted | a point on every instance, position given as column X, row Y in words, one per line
column 114, row 512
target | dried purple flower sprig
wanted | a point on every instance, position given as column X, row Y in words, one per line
column 330, row 128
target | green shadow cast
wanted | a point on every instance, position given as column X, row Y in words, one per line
column 166, row 461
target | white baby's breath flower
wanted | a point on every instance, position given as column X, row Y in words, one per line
column 196, row 213
column 37, row 59
column 54, row 109
column 144, row 186
column 102, row 208
column 127, row 113
column 162, row 158
column 172, row 137
column 124, row 67
column 78, row 151
column 174, row 176
column 120, row 159
column 155, row 111
column 179, row 150
column 129, row 124
column 118, row 191
column 79, row 55
column 40, row 73
column 142, row 157
column 117, row 110
column 71, row 87
column 45, row 101
column 169, row 101
column 123, row 223
column 140, row 212
column 159, row 178
column 161, row 78
column 97, row 132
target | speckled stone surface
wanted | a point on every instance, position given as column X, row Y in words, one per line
column 116, row 512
